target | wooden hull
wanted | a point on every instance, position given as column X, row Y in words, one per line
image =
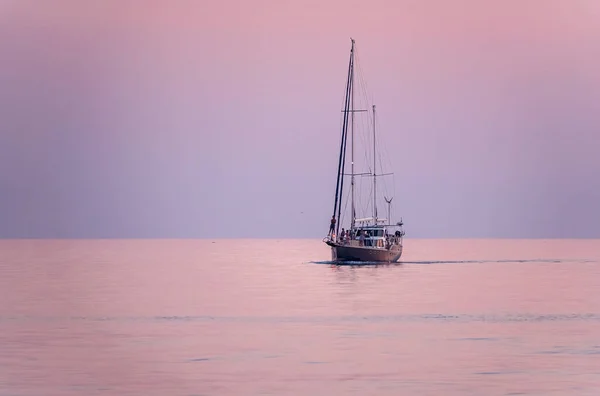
column 365, row 253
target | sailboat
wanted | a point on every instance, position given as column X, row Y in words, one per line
column 368, row 239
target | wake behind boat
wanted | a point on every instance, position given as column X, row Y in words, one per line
column 371, row 238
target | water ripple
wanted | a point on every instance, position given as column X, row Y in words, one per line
column 375, row 263
column 462, row 318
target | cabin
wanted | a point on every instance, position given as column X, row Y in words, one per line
column 373, row 233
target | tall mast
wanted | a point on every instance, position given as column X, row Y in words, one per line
column 352, row 134
column 337, row 205
column 374, row 173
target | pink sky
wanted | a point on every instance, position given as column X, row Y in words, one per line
column 156, row 118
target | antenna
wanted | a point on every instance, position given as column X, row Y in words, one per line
column 389, row 202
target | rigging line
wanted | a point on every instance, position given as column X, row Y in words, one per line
column 358, row 196
column 343, row 218
column 363, row 82
column 369, row 204
column 388, row 158
column 384, row 159
column 363, row 122
column 380, row 160
column 363, row 87
column 384, row 181
column 365, row 140
column 369, row 158
column 368, row 97
column 369, row 121
column 391, row 165
column 366, row 153
column 364, row 208
column 366, row 91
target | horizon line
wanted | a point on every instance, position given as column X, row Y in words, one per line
column 274, row 238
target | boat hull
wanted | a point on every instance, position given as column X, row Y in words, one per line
column 364, row 253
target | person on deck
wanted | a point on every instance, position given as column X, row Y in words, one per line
column 332, row 225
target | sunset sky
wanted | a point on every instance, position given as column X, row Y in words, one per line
column 210, row 119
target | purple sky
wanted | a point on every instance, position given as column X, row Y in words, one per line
column 222, row 118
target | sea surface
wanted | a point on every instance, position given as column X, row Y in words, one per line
column 275, row 317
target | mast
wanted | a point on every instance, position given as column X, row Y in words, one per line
column 353, row 215
column 374, row 173
column 337, row 206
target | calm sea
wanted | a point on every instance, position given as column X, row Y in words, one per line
column 274, row 317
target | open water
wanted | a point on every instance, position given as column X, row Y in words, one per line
column 275, row 317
